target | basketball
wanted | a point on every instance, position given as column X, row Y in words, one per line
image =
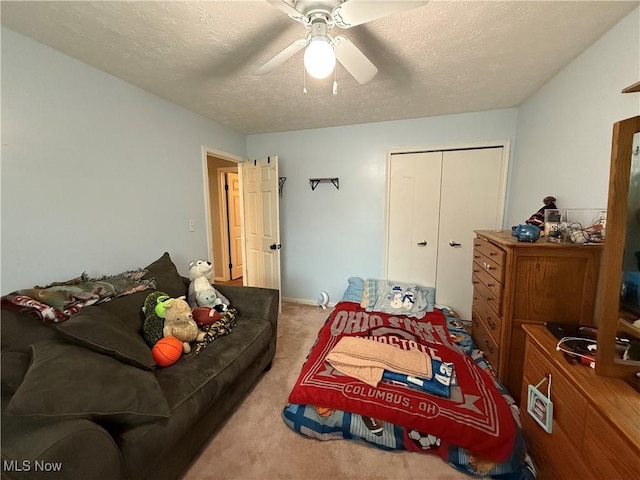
column 167, row 351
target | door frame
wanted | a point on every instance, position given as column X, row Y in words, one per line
column 206, row 151
column 504, row 144
column 224, row 217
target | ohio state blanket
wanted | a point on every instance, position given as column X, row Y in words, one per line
column 475, row 416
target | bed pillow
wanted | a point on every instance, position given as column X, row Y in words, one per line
column 354, row 290
column 69, row 381
column 101, row 331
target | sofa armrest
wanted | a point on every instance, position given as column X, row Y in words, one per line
column 57, row 449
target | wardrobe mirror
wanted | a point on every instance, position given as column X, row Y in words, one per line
column 618, row 305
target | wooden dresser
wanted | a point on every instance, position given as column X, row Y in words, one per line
column 516, row 283
column 596, row 420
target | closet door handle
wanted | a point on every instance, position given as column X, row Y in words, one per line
column 454, row 244
column 422, row 243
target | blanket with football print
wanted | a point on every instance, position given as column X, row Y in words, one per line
column 473, row 416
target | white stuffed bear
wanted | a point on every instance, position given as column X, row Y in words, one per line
column 201, row 292
column 179, row 323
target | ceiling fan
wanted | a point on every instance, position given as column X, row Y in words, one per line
column 322, row 48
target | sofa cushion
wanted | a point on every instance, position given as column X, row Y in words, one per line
column 103, row 332
column 69, row 381
column 14, row 367
column 168, row 280
column 193, row 385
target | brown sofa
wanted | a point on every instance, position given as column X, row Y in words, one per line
column 82, row 399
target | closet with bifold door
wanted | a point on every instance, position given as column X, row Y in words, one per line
column 435, row 201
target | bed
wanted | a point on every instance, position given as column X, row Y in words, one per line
column 364, row 380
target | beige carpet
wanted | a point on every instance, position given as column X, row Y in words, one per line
column 256, row 444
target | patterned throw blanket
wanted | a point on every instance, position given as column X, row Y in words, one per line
column 58, row 301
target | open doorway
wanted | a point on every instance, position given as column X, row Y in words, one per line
column 225, row 219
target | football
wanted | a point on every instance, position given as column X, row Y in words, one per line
column 424, row 441
column 205, row 315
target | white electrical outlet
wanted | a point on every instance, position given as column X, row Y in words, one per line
column 192, row 225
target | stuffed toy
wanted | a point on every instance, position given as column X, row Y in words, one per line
column 537, row 218
column 179, row 323
column 209, row 298
column 201, row 291
column 152, row 328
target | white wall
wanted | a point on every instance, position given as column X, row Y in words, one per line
column 97, row 174
column 328, row 235
column 563, row 145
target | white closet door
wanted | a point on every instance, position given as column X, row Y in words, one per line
column 413, row 210
column 471, row 199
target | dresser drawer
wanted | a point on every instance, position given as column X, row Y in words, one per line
column 489, row 250
column 484, row 341
column 605, row 452
column 491, row 320
column 480, row 275
column 489, row 266
column 556, row 455
column 569, row 406
column 480, row 290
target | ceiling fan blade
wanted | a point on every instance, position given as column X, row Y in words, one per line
column 354, row 12
column 282, row 57
column 289, row 10
column 351, row 58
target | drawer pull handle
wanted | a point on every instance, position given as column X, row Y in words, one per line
column 491, row 324
column 490, row 284
column 492, row 254
column 486, row 342
column 488, row 299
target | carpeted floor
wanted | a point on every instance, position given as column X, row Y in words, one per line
column 256, row 444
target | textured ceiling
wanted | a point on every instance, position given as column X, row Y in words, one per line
column 441, row 58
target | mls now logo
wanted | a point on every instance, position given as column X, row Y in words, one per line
column 28, row 466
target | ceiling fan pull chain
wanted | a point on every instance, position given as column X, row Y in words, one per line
column 335, row 81
column 304, row 80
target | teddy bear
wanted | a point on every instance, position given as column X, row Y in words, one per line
column 179, row 323
column 201, row 291
column 152, row 328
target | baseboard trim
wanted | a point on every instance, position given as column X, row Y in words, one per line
column 304, row 301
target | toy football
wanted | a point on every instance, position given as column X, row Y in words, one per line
column 205, row 315
column 167, row 351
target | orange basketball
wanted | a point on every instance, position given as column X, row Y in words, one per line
column 167, row 351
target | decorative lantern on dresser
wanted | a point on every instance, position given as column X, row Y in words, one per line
column 517, row 283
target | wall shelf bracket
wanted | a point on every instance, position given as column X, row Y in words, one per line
column 315, row 181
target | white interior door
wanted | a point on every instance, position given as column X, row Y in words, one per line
column 261, row 222
column 471, row 199
column 412, row 217
column 235, row 225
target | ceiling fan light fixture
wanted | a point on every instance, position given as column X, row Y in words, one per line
column 319, row 57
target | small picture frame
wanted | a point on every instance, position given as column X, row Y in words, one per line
column 540, row 407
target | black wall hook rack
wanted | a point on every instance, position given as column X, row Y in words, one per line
column 281, row 181
column 315, row 181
